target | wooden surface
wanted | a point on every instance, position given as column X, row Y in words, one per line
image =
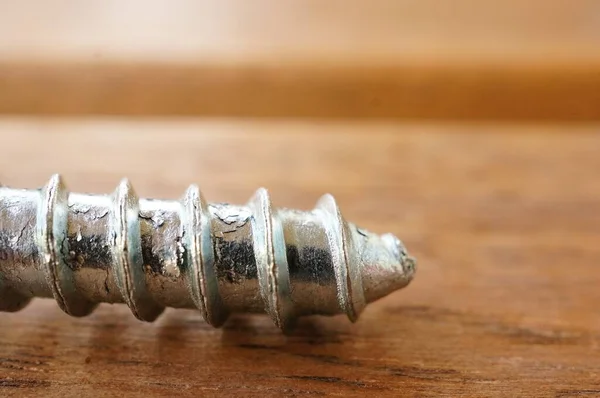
column 503, row 220
column 404, row 59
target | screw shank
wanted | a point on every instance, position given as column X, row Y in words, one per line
column 84, row 249
column 19, row 252
column 311, row 266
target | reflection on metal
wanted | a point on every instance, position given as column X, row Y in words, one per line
column 150, row 254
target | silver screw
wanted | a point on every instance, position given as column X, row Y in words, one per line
column 86, row 249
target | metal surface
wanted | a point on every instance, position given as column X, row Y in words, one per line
column 85, row 249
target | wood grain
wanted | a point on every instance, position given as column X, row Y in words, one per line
column 503, row 220
column 406, row 59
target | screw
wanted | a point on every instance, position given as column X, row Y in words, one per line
column 84, row 249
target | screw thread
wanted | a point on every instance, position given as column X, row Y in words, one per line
column 85, row 249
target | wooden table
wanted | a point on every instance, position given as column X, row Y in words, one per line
column 504, row 221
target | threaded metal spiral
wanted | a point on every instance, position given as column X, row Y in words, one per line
column 85, row 249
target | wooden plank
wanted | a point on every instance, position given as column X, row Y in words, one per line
column 504, row 222
column 526, row 93
column 402, row 59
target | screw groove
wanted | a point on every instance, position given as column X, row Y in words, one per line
column 84, row 249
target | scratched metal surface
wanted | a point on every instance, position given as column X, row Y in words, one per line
column 84, row 249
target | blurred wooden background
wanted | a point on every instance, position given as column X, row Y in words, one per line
column 406, row 59
column 446, row 123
